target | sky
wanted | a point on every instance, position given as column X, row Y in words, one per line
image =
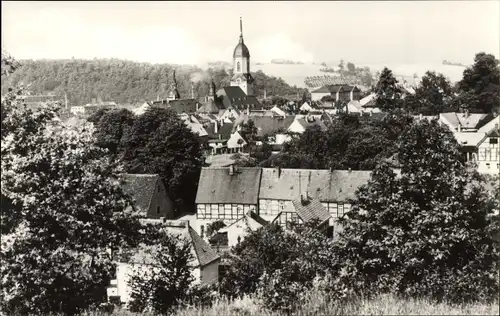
column 191, row 32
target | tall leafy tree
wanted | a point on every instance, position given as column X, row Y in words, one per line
column 480, row 84
column 158, row 142
column 389, row 94
column 426, row 232
column 110, row 127
column 64, row 210
column 432, row 96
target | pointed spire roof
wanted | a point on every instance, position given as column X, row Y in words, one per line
column 241, row 50
column 174, row 92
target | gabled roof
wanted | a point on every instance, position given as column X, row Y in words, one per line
column 334, row 88
column 217, row 186
column 223, row 130
column 183, row 105
column 325, row 185
column 490, row 126
column 464, row 120
column 141, row 187
column 201, row 251
column 310, row 209
column 304, row 122
column 469, row 138
column 236, row 98
column 251, row 220
column 266, row 124
column 208, row 107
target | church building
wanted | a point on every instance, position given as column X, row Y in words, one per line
column 241, row 66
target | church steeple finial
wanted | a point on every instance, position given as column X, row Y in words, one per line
column 241, row 30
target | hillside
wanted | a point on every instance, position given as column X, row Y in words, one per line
column 126, row 82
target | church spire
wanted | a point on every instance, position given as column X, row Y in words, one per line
column 241, row 30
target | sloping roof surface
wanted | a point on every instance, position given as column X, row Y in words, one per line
column 337, row 185
column 216, row 185
column 266, row 124
column 334, row 88
column 251, row 220
column 470, row 121
column 310, row 209
column 223, row 130
column 235, row 97
column 208, row 107
column 469, row 138
column 200, row 250
column 304, row 122
column 141, row 188
column 488, row 127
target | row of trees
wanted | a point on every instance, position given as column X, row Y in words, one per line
column 127, row 82
column 476, row 92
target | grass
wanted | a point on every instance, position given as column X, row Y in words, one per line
column 317, row 305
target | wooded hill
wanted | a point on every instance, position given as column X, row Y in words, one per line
column 126, row 82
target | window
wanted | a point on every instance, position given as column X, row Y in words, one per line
column 340, row 212
column 157, row 209
column 493, row 140
column 238, row 67
column 488, row 165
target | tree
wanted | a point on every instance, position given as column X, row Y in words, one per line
column 168, row 280
column 214, row 227
column 481, row 82
column 158, row 142
column 426, row 232
column 64, row 210
column 388, row 92
column 432, row 96
column 351, row 67
column 341, row 66
column 110, row 127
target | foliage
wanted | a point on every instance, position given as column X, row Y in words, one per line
column 213, row 228
column 425, row 233
column 110, row 127
column 168, row 281
column 278, row 264
column 348, row 143
column 432, row 96
column 127, row 82
column 480, row 84
column 389, row 94
column 64, row 209
column 158, row 142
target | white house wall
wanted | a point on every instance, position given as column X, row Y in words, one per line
column 488, row 158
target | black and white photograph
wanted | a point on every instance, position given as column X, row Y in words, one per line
column 249, row 158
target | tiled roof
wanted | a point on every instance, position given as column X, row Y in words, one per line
column 235, row 97
column 491, row 125
column 204, row 252
column 266, row 124
column 310, row 209
column 208, row 107
column 217, row 186
column 334, row 88
column 325, row 185
column 224, row 131
column 141, row 188
column 183, row 105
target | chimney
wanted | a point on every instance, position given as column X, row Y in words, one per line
column 216, row 127
column 420, row 116
column 231, row 170
column 466, row 113
column 459, row 127
column 197, row 106
column 192, row 90
column 349, row 170
column 248, row 109
column 278, row 170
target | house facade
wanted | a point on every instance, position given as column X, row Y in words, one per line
column 302, row 211
column 333, row 188
column 233, row 234
column 149, row 194
column 227, row 194
column 205, row 264
column 339, row 92
column 488, row 154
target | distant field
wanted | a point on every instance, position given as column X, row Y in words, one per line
column 383, row 305
column 295, row 74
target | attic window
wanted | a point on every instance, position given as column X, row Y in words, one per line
column 493, row 140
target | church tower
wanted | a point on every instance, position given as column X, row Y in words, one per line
column 241, row 66
column 174, row 93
